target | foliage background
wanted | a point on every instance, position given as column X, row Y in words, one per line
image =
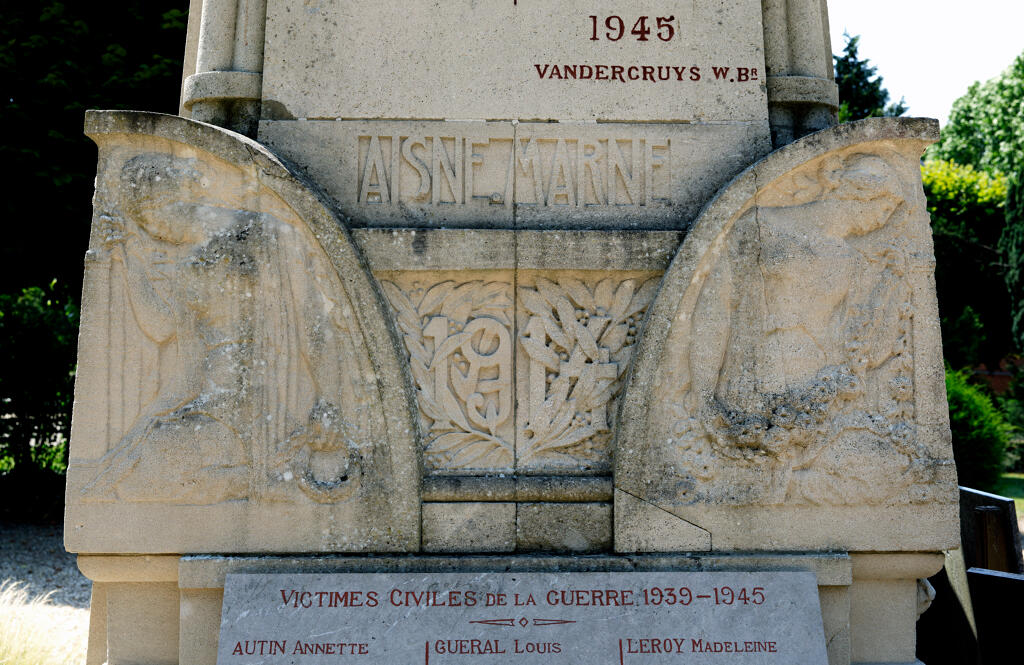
column 973, row 181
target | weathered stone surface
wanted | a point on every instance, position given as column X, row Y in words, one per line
column 142, row 624
column 641, row 526
column 490, row 249
column 469, row 527
column 457, row 329
column 572, row 339
column 884, row 605
column 802, row 93
column 518, row 174
column 237, row 369
column 201, row 578
column 465, row 331
column 835, row 615
column 468, row 60
column 528, row 618
column 504, row 487
column 774, row 400
column 564, row 527
column 249, row 383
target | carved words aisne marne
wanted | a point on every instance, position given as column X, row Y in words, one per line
column 457, row 169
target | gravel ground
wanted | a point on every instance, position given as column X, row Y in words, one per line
column 34, row 555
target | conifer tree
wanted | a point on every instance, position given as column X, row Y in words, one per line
column 861, row 94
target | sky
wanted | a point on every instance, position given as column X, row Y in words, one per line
column 930, row 51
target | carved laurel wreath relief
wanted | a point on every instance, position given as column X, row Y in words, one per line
column 460, row 354
column 573, row 345
column 577, row 341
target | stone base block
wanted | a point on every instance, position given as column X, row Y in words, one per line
column 164, row 610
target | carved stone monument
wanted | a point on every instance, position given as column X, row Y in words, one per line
column 514, row 281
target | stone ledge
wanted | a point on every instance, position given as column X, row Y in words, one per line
column 213, row 86
column 128, row 568
column 209, row 571
column 896, row 566
column 803, row 90
column 553, row 489
column 494, row 249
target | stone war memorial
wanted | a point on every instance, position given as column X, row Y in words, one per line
column 509, row 332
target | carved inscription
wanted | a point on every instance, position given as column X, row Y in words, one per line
column 459, row 339
column 457, row 169
column 632, row 618
column 576, row 340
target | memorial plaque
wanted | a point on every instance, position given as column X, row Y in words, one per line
column 509, row 114
column 522, row 618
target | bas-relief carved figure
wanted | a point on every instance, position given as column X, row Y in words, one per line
column 574, row 339
column 249, row 380
column 794, row 383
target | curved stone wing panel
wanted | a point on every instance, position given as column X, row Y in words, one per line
column 237, row 367
column 788, row 391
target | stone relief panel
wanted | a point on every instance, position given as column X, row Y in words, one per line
column 538, row 397
column 243, row 377
column 576, row 332
column 791, row 373
column 232, row 354
column 223, row 360
column 457, row 329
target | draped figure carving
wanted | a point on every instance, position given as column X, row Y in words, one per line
column 230, row 365
column 791, row 358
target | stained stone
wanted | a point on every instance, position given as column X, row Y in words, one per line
column 226, row 377
column 518, row 174
column 531, row 618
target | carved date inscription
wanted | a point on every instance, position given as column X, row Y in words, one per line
column 457, row 169
column 632, row 618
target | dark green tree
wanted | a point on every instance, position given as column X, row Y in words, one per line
column 986, row 126
column 37, row 352
column 966, row 208
column 981, row 435
column 58, row 59
column 1011, row 248
column 861, row 94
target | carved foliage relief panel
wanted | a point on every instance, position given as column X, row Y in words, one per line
column 518, row 372
column 457, row 329
column 795, row 370
column 576, row 337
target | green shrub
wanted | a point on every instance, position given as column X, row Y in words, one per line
column 981, row 435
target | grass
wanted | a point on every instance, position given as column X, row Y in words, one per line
column 34, row 632
column 1012, row 486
